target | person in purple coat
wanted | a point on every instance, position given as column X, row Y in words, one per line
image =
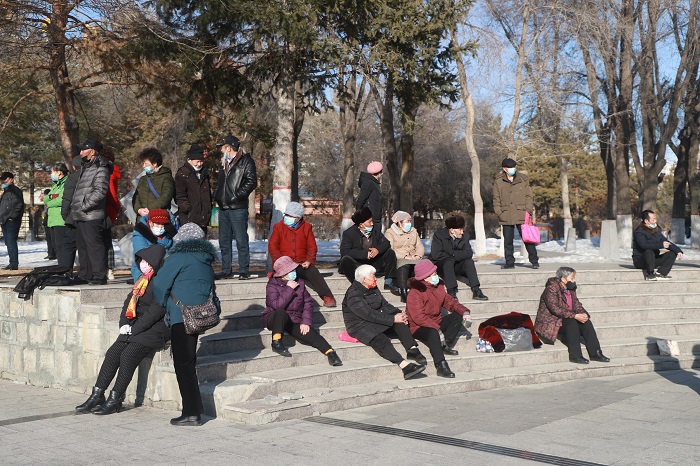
column 289, row 308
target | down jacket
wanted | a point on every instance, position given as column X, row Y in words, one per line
column 444, row 247
column 296, row 301
column 553, row 308
column 234, row 186
column 89, row 200
column 298, row 243
column 425, row 302
column 512, row 199
column 370, row 196
column 193, row 196
column 11, row 204
column 366, row 313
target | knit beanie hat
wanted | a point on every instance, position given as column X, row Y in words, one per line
column 424, row 269
column 189, row 231
column 284, row 265
column 400, row 215
column 159, row 216
column 294, row 209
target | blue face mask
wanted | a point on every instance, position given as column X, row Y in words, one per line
column 434, row 280
column 148, row 170
column 368, row 230
column 5, row 185
column 292, row 276
column 290, row 221
column 158, row 231
column 407, row 227
column 511, row 171
column 54, row 178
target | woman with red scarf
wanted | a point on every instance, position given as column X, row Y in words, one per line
column 141, row 331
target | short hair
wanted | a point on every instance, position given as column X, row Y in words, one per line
column 564, row 272
column 364, row 271
column 60, row 167
column 152, row 155
column 645, row 214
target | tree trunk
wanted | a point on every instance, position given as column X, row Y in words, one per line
column 282, row 178
column 299, row 114
column 385, row 108
column 564, row 179
column 350, row 98
column 407, row 151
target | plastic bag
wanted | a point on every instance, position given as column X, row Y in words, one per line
column 126, row 249
column 668, row 348
column 530, row 233
column 517, row 339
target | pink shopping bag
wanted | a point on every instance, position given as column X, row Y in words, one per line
column 531, row 234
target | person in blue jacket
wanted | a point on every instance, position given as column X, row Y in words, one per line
column 155, row 227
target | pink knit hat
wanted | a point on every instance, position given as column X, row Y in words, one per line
column 424, row 269
column 374, row 167
column 284, row 265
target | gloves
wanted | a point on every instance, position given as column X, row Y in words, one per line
column 125, row 330
column 170, row 230
column 467, row 320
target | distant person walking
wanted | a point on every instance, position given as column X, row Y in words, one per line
column 237, row 179
column 647, row 242
column 11, row 211
column 193, row 190
column 371, row 192
column 512, row 197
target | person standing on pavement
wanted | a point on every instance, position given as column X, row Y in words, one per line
column 646, row 244
column 237, row 179
column 371, row 192
column 53, row 201
column 88, row 208
column 512, row 197
column 11, row 211
column 294, row 237
column 157, row 187
column 193, row 190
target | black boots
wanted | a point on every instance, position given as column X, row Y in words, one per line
column 403, row 273
column 279, row 348
column 478, row 294
column 96, row 399
column 112, row 405
column 599, row 356
column 446, row 349
column 334, row 359
column 415, row 355
column 443, row 370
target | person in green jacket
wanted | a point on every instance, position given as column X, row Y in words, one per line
column 54, row 221
column 155, row 189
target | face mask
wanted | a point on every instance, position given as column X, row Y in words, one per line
column 145, row 268
column 54, row 178
column 434, row 280
column 511, row 171
column 292, row 276
column 372, row 284
column 289, row 221
column 652, row 225
column 158, row 231
column 407, row 227
column 148, row 170
column 5, row 185
column 571, row 286
column 368, row 230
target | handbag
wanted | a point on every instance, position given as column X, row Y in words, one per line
column 530, row 233
column 200, row 317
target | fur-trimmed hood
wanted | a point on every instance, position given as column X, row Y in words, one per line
column 201, row 246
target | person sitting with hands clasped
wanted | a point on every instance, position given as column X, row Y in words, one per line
column 646, row 244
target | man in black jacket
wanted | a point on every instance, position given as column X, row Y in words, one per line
column 192, row 190
column 237, row 179
column 647, row 241
column 11, row 211
column 362, row 243
column 66, row 257
column 452, row 254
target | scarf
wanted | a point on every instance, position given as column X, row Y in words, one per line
column 138, row 291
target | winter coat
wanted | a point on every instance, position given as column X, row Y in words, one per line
column 553, row 308
column 444, row 247
column 143, row 237
column 89, row 201
column 11, row 204
column 351, row 243
column 366, row 313
column 405, row 245
column 68, row 193
column 187, row 274
column 148, row 328
column 298, row 243
column 164, row 185
column 54, row 202
column 236, row 183
column 425, row 302
column 512, row 199
column 370, row 196
column 193, row 196
column 297, row 302
column 644, row 239
column 114, row 207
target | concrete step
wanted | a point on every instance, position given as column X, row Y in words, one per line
column 318, row 400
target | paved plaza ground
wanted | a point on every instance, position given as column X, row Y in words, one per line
column 651, row 418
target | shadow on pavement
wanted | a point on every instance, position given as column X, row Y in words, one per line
column 670, row 368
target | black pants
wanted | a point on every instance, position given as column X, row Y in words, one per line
column 403, row 273
column 650, row 261
column 109, row 247
column 449, row 270
column 570, row 334
column 384, row 348
column 50, row 244
column 384, row 263
column 508, row 235
column 280, row 322
column 184, row 347
column 57, row 239
column 315, row 280
column 91, row 250
column 450, row 325
column 124, row 357
column 66, row 253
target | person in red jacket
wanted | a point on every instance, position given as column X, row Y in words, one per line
column 426, row 298
column 294, row 237
column 113, row 209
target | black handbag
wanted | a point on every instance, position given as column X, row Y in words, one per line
column 200, row 317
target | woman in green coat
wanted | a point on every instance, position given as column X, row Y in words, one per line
column 54, row 221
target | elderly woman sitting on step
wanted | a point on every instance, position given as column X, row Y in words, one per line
column 408, row 247
column 561, row 315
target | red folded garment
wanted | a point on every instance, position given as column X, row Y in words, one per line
column 488, row 332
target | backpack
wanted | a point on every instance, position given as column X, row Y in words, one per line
column 41, row 277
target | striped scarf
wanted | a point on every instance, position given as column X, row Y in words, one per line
column 138, row 291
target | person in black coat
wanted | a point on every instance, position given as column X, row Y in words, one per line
column 369, row 318
column 452, row 254
column 646, row 244
column 67, row 257
column 362, row 243
column 193, row 191
column 11, row 211
column 141, row 331
column 371, row 192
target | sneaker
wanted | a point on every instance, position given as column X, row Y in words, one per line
column 412, row 370
column 224, row 276
column 110, row 274
column 660, row 276
column 650, row 276
column 328, row 301
column 244, row 276
column 508, row 266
